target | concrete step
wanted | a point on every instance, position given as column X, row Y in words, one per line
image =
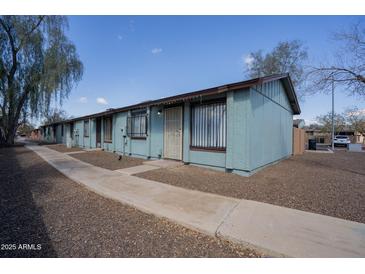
column 164, row 163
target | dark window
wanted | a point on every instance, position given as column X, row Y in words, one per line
column 208, row 126
column 108, row 129
column 72, row 130
column 86, row 128
column 137, row 124
column 62, row 130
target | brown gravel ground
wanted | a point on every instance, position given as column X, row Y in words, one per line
column 41, row 206
column 107, row 159
column 329, row 184
column 63, row 148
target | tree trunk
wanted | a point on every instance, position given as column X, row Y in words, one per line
column 8, row 132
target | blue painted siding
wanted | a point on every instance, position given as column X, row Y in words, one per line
column 127, row 145
column 92, row 133
column 120, row 130
column 58, row 136
column 238, row 130
column 270, row 123
column 156, row 128
column 67, row 133
column 48, row 134
column 212, row 159
column 79, row 133
column 259, row 131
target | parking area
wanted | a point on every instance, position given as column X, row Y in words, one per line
column 326, row 183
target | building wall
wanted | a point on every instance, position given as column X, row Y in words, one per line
column 120, row 127
column 238, row 142
column 259, row 131
column 48, row 134
column 92, row 138
column 59, row 133
column 79, row 133
column 156, row 130
column 67, row 133
column 86, row 141
column 271, row 120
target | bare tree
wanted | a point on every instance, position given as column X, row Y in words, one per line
column 314, row 126
column 286, row 57
column 25, row 129
column 348, row 66
column 55, row 115
column 355, row 118
column 326, row 122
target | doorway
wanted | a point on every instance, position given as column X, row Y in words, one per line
column 98, row 132
column 173, row 133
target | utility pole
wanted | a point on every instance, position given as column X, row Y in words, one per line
column 333, row 114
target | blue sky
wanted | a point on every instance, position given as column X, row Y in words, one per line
column 129, row 59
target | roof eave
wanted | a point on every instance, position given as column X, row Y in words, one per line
column 205, row 92
column 292, row 96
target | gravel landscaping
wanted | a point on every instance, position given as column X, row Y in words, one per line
column 107, row 160
column 63, row 148
column 41, row 206
column 329, row 184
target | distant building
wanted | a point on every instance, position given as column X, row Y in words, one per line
column 298, row 123
column 325, row 137
column 35, row 134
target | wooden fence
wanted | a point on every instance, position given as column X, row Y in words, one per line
column 298, row 141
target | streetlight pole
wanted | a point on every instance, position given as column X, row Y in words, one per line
column 333, row 114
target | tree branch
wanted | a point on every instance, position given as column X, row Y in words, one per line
column 13, row 51
column 22, row 41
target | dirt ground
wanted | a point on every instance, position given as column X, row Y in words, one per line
column 329, row 184
column 108, row 160
column 63, row 148
column 38, row 205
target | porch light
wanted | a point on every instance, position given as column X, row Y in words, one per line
column 159, row 112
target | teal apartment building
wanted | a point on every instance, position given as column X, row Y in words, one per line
column 239, row 127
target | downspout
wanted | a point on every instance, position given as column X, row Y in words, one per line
column 129, row 138
column 90, row 121
column 149, row 125
column 114, row 131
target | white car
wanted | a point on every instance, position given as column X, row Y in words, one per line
column 341, row 140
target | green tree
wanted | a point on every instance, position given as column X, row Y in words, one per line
column 286, row 57
column 38, row 64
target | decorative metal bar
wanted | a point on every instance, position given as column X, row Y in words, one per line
column 209, row 126
column 137, row 126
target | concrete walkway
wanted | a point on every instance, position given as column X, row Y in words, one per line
column 136, row 169
column 278, row 231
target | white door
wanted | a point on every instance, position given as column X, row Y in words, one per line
column 173, row 133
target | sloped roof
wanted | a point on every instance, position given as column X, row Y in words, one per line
column 284, row 78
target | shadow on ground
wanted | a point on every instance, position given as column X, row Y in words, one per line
column 21, row 220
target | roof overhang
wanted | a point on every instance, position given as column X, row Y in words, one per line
column 284, row 78
column 292, row 96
